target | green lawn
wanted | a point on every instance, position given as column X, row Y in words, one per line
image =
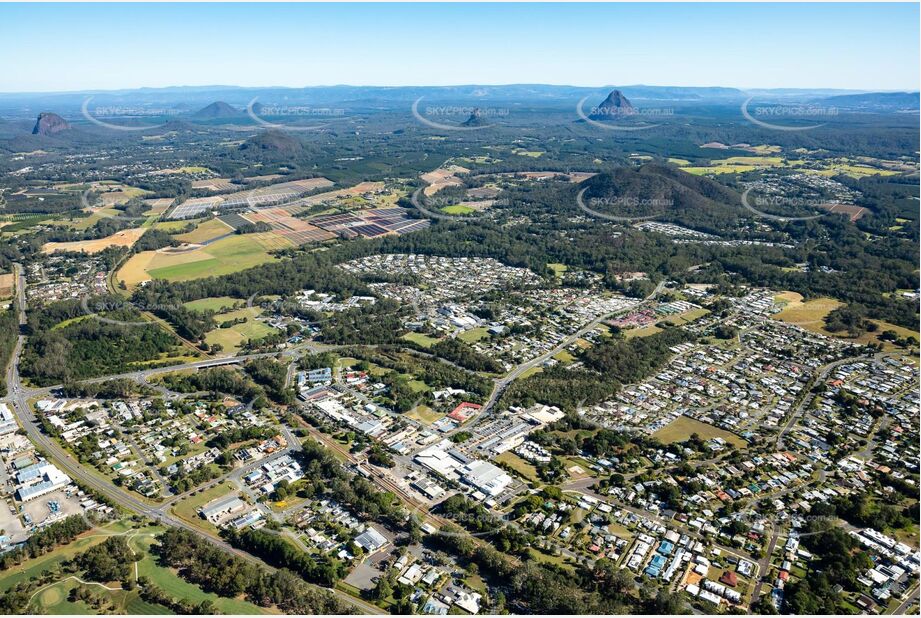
column 418, row 386
column 205, row 231
column 564, row 357
column 473, row 335
column 458, row 209
column 232, row 338
column 423, row 340
column 424, row 414
column 215, row 303
column 32, row 568
column 174, row 226
column 53, row 599
column 519, row 465
column 228, row 255
column 175, row 586
column 530, row 372
column 682, row 427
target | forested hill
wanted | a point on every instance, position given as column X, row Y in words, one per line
column 668, row 194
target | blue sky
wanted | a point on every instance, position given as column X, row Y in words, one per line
column 56, row 47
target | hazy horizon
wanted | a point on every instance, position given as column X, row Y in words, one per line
column 458, row 85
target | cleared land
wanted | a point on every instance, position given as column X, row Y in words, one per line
column 424, row 414
column 644, row 331
column 124, row 238
column 174, row 226
column 6, row 286
column 121, row 195
column 207, row 230
column 810, row 314
column 423, row 340
column 458, row 209
column 228, row 255
column 680, row 429
column 217, row 303
column 687, row 316
column 519, row 465
column 233, row 337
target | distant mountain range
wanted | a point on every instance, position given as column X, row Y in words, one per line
column 192, row 99
column 875, row 101
column 226, row 103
